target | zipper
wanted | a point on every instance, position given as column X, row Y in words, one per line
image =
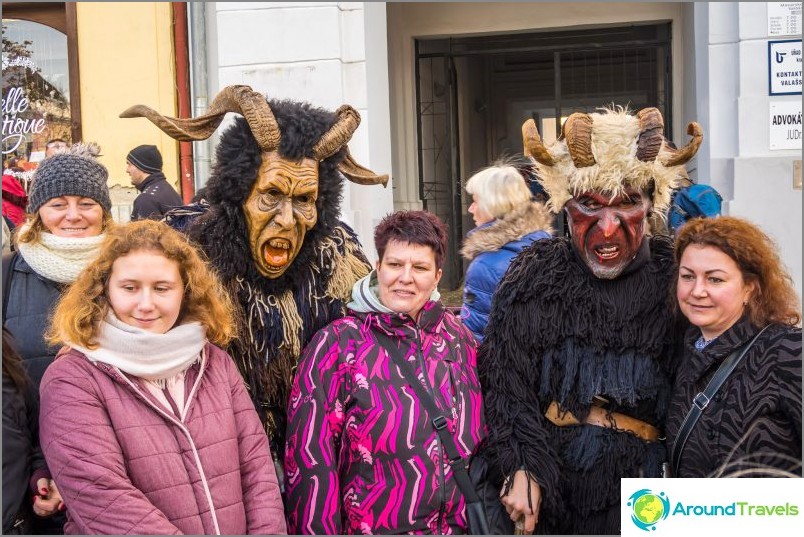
column 441, row 474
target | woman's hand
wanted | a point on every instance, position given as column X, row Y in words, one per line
column 48, row 501
column 518, row 505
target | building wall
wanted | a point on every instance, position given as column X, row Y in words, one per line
column 315, row 52
column 126, row 57
column 756, row 183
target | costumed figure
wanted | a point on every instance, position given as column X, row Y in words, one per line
column 577, row 359
column 272, row 229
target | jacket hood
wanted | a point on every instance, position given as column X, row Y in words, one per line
column 530, row 217
column 365, row 298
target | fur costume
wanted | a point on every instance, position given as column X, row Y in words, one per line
column 277, row 316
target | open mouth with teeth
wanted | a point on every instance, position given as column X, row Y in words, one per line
column 276, row 252
column 607, row 253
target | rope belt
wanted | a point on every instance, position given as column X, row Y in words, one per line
column 600, row 417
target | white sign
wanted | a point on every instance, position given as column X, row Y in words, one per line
column 784, row 67
column 785, row 125
column 784, row 18
column 747, row 506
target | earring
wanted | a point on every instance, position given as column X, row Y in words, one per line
column 745, row 302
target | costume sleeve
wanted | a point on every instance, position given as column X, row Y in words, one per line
column 86, row 459
column 315, row 424
column 261, row 497
column 510, row 368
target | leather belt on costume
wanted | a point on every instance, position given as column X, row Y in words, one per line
column 600, row 417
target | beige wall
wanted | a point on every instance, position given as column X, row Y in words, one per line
column 409, row 20
column 126, row 57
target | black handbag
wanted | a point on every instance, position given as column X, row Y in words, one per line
column 475, row 514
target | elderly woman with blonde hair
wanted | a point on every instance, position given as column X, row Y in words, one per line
column 508, row 220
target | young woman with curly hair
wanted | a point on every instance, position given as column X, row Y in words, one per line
column 145, row 422
column 731, row 284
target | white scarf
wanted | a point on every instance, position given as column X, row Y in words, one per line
column 143, row 354
column 60, row 259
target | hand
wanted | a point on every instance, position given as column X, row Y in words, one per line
column 48, row 502
column 516, row 501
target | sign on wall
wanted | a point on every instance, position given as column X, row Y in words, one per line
column 784, row 67
column 785, row 125
column 784, row 18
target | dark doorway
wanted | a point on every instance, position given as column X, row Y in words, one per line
column 474, row 93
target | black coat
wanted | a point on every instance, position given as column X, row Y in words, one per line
column 156, row 198
column 31, row 299
column 21, row 452
column 760, row 401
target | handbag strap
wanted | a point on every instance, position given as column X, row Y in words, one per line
column 702, row 400
column 456, row 461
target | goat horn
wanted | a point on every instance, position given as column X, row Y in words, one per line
column 682, row 156
column 651, row 134
column 578, row 133
column 339, row 134
column 359, row 174
column 239, row 99
column 534, row 147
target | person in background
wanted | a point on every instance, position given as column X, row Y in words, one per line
column 15, row 199
column 56, row 146
column 156, row 197
column 68, row 214
column 146, row 423
column 362, row 453
column 730, row 285
column 507, row 221
column 24, row 470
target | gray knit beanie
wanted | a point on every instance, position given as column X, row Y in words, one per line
column 75, row 173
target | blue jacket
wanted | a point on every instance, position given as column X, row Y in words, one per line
column 491, row 247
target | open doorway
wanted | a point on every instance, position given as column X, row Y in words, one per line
column 474, row 93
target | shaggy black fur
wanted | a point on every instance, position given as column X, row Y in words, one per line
column 556, row 332
column 266, row 363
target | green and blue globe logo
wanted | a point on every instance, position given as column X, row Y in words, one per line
column 648, row 508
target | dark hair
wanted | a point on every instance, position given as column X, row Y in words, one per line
column 12, row 363
column 774, row 299
column 413, row 227
column 62, row 140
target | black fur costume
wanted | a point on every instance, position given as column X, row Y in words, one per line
column 278, row 317
column 557, row 332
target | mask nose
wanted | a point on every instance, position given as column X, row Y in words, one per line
column 284, row 216
column 608, row 223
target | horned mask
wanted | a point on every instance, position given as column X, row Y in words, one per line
column 608, row 152
column 281, row 207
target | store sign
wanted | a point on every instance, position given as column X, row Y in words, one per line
column 784, row 18
column 785, row 125
column 15, row 128
column 784, row 67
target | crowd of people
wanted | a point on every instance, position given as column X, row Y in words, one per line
column 249, row 371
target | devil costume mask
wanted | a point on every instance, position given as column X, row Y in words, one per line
column 272, row 229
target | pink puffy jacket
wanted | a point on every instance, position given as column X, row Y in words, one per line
column 125, row 464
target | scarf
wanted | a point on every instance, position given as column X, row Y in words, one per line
column 60, row 259
column 146, row 355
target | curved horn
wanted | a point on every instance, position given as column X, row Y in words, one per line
column 683, row 155
column 339, row 134
column 359, row 174
column 578, row 132
column 651, row 134
column 239, row 99
column 534, row 147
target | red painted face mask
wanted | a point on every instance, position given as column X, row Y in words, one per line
column 607, row 232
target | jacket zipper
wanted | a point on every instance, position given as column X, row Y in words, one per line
column 441, row 476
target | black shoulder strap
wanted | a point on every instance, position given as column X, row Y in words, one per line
column 701, row 401
column 9, row 261
column 440, row 423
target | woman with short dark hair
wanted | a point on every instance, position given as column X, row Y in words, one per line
column 363, row 455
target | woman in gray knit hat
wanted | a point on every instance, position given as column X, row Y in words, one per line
column 69, row 211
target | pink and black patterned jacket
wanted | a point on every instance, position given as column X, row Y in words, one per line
column 362, row 455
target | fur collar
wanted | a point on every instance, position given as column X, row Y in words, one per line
column 530, row 217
